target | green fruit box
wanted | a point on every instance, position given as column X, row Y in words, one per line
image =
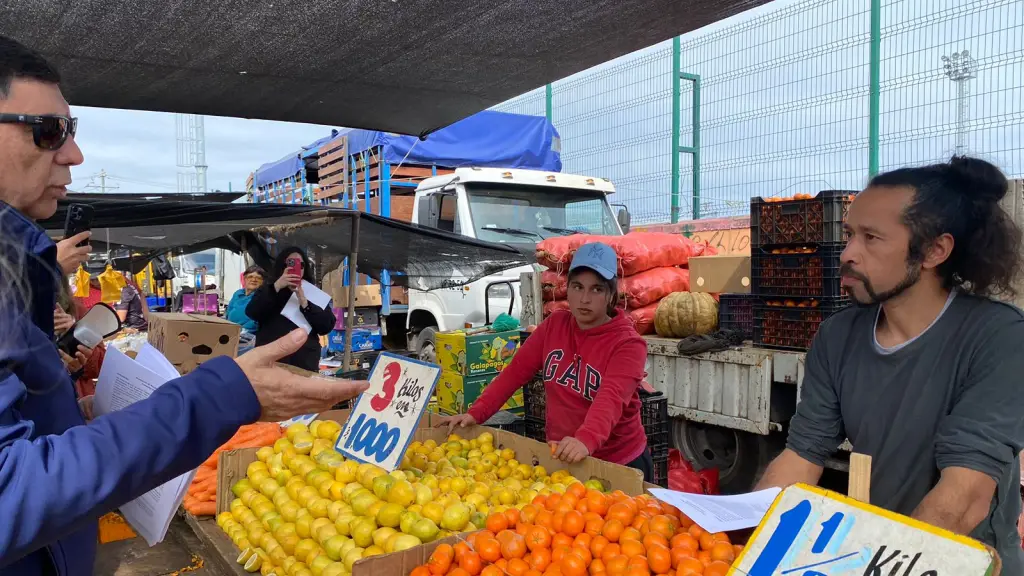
column 456, row 393
column 476, row 354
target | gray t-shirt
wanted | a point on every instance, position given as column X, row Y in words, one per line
column 949, row 398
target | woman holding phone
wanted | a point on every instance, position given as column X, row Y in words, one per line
column 290, row 268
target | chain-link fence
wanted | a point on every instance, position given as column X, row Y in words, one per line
column 785, row 103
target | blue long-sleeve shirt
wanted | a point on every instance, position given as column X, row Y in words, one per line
column 59, row 475
column 235, row 311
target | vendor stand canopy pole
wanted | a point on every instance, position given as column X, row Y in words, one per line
column 350, row 312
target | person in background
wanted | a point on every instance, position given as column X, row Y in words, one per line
column 592, row 361
column 923, row 373
column 253, row 279
column 132, row 308
column 269, row 300
column 58, row 476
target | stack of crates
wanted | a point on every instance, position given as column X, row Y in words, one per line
column 533, row 409
column 654, row 415
column 736, row 314
column 795, row 248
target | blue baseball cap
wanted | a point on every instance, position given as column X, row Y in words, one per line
column 598, row 257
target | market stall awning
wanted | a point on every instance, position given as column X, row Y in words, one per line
column 415, row 256
column 397, row 65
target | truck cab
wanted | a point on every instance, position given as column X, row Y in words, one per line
column 508, row 206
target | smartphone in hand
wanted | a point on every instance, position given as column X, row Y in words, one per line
column 295, row 267
column 78, row 220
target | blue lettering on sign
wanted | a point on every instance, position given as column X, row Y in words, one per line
column 782, row 545
column 372, row 439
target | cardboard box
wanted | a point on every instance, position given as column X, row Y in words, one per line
column 188, row 340
column 456, row 393
column 366, row 295
column 363, row 340
column 485, row 353
column 720, row 274
column 365, row 317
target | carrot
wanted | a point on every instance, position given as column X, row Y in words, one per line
column 205, row 509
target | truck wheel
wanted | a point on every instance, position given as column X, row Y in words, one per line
column 740, row 457
column 425, row 345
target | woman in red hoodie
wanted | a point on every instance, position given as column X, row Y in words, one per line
column 592, row 360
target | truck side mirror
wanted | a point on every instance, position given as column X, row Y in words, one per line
column 624, row 219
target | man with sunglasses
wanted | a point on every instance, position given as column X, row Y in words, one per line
column 57, row 474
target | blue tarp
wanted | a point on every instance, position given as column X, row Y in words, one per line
column 486, row 139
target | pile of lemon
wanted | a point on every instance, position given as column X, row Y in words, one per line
column 304, row 510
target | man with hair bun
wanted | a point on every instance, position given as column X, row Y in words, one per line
column 923, row 373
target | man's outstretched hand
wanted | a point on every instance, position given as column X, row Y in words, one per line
column 282, row 394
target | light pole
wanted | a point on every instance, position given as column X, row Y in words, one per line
column 960, row 68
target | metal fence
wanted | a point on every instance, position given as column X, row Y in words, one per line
column 796, row 96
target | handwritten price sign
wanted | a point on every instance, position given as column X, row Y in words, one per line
column 383, row 421
column 813, row 532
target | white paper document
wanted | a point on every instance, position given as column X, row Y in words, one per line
column 721, row 513
column 306, row 419
column 122, row 382
column 292, row 311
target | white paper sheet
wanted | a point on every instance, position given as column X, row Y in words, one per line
column 721, row 513
column 306, row 419
column 122, row 382
column 292, row 311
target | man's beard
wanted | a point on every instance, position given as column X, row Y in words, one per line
column 874, row 297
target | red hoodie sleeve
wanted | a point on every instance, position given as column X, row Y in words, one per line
column 524, row 365
column 618, row 384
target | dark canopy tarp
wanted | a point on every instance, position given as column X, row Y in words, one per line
column 415, row 256
column 408, row 66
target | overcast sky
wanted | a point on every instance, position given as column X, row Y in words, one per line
column 784, row 108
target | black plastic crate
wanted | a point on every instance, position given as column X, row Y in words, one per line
column 533, row 398
column 790, row 324
column 736, row 313
column 661, row 472
column 799, row 221
column 654, row 415
column 534, row 429
column 806, row 271
column 505, row 420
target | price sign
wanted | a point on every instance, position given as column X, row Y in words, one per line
column 383, row 421
column 809, row 531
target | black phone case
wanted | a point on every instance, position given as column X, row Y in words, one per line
column 78, row 220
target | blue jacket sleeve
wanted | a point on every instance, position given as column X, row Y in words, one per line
column 52, row 485
column 235, row 312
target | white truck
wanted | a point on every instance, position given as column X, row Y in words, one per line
column 517, row 207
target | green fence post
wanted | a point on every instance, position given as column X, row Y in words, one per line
column 676, row 113
column 875, row 72
column 547, row 101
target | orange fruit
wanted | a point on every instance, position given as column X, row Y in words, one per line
column 690, row 567
column 594, row 526
column 653, row 538
column 631, row 534
column 570, row 499
column 664, row 525
column 533, row 573
column 597, row 545
column 572, row 565
column 540, row 559
column 632, row 548
column 514, row 547
column 523, row 528
column 659, row 559
column 544, row 518
column 721, row 537
column 684, row 540
column 559, row 552
column 638, row 571
column 512, row 514
column 706, row 541
column 583, row 553
column 517, row 567
column 471, row 563
column 597, row 567
column 677, row 555
column 491, row 570
column 695, row 531
column 528, row 513
column 582, row 506
column 559, row 540
column 621, row 512
column 640, row 522
column 704, row 556
column 538, row 538
column 723, row 552
column 502, row 563
column 458, row 572
column 616, row 565
column 556, row 521
column 552, row 501
column 716, row 568
column 577, row 489
column 610, row 550
column 539, row 501
column 441, row 559
column 573, row 523
column 583, row 540
column 597, row 502
column 496, row 522
column 638, row 562
column 420, row 571
column 736, row 549
column 489, row 549
column 612, row 530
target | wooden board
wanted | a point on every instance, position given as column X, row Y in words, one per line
column 135, row 558
column 222, row 550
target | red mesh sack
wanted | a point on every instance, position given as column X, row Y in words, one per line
column 652, row 285
column 641, row 251
column 643, row 318
column 550, row 307
column 556, row 253
column 553, row 285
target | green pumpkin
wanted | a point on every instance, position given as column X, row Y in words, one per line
column 683, row 314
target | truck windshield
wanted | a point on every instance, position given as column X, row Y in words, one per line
column 520, row 214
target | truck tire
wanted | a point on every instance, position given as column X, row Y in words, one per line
column 740, row 457
column 425, row 350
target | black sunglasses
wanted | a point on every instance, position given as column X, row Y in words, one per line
column 50, row 131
